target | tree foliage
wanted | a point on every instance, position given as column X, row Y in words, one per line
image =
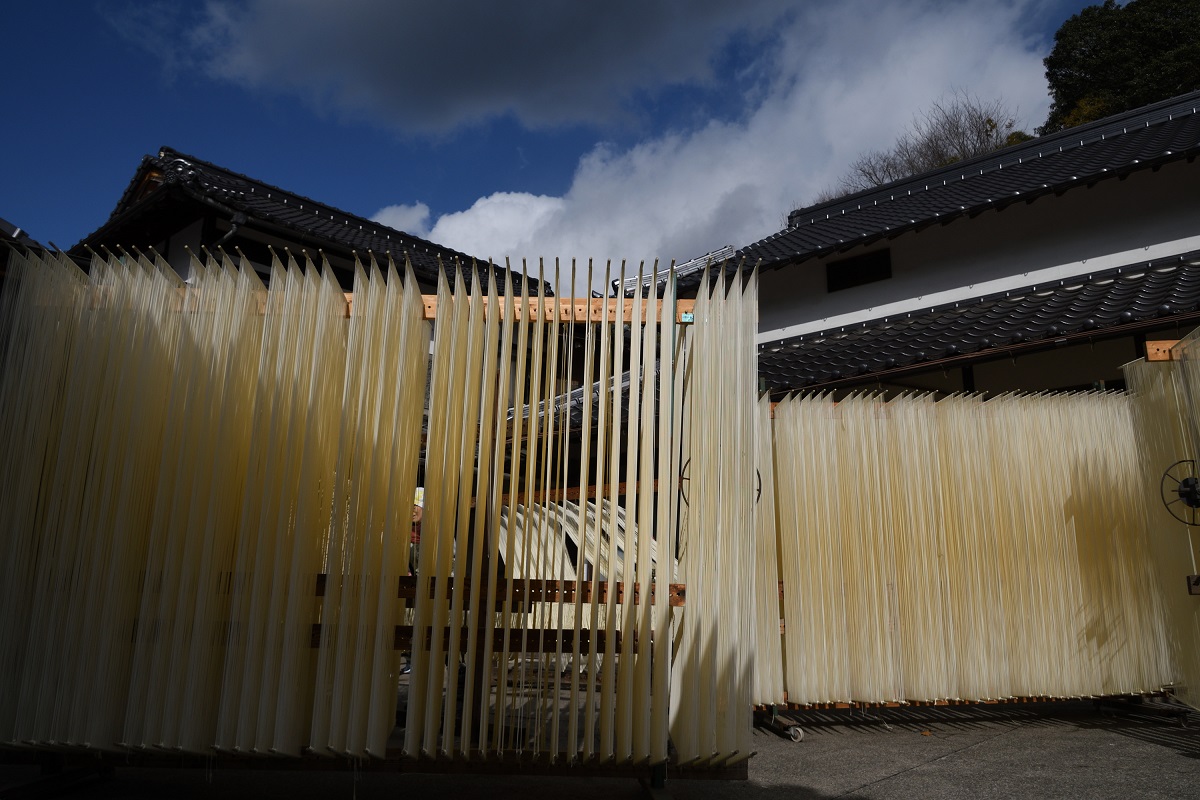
column 953, row 128
column 1110, row 58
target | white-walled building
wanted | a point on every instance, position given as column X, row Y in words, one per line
column 1045, row 265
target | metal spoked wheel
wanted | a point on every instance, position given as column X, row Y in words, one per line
column 1180, row 489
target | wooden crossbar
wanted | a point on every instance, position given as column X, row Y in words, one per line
column 860, row 705
column 519, row 591
column 590, row 309
column 573, row 494
column 528, row 641
column 565, row 310
column 533, row 590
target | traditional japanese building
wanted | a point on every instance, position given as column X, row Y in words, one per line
column 178, row 203
column 1045, row 265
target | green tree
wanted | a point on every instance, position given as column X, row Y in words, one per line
column 1110, row 58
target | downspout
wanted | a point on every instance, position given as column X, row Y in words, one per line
column 236, row 221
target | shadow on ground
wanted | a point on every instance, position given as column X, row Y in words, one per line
column 1032, row 751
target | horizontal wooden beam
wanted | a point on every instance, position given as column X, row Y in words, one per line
column 534, row 590
column 559, row 495
column 519, row 640
column 564, row 309
column 921, row 704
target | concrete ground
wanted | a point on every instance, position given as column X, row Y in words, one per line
column 1027, row 752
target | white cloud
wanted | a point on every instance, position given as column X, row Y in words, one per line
column 413, row 219
column 433, row 65
column 847, row 78
column 500, row 223
column 819, row 83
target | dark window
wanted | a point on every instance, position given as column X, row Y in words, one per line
column 858, row 270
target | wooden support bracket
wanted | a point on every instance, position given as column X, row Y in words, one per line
column 1160, row 349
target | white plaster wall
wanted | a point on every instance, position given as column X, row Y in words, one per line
column 1148, row 214
column 177, row 255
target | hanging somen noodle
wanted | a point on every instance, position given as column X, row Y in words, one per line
column 210, row 553
column 1165, row 422
column 964, row 549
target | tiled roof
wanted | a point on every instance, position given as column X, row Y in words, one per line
column 1141, row 139
column 13, row 238
column 682, row 272
column 1092, row 305
column 572, row 402
column 310, row 220
column 11, row 233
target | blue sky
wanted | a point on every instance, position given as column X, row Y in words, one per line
column 635, row 130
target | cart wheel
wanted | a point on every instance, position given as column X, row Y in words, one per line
column 796, row 733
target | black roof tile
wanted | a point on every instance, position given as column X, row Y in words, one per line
column 314, row 221
column 1117, row 297
column 1138, row 139
column 16, row 235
